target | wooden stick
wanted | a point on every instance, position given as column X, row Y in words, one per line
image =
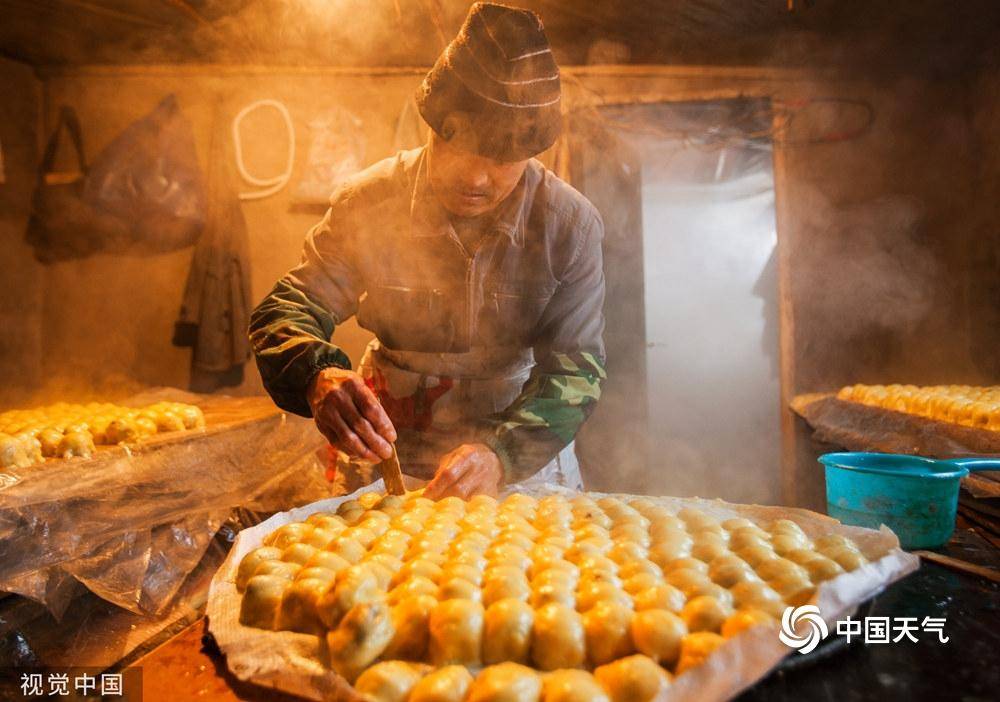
column 392, row 474
column 958, row 564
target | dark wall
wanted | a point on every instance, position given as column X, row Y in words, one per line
column 20, row 277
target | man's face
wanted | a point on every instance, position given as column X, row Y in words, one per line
column 467, row 184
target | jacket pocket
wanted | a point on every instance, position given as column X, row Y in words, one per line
column 411, row 318
column 511, row 315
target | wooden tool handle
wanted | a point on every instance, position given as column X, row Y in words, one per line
column 958, row 564
column 392, row 474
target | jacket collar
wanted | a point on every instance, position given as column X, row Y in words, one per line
column 431, row 219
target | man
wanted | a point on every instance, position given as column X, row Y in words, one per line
column 478, row 271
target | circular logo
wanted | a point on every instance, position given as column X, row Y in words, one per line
column 802, row 628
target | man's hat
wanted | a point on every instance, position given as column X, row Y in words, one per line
column 495, row 89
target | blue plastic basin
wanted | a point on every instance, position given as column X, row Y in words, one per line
column 914, row 496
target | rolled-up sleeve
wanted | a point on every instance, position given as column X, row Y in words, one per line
column 290, row 329
column 565, row 384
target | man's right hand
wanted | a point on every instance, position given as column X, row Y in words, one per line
column 350, row 416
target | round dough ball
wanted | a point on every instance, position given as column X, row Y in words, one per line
column 390, row 502
column 628, row 553
column 515, row 539
column 394, row 543
column 756, row 555
column 846, row 557
column 250, row 562
column 315, row 573
column 506, row 682
column 580, row 551
column 737, row 523
column 390, row 681
column 262, row 600
column 572, row 686
column 641, row 582
column 288, row 534
column 631, row 533
column 793, row 588
column 417, row 568
column 704, row 613
column 559, row 570
column 502, row 584
column 684, row 578
column 353, row 586
column 320, row 538
column 598, row 576
column 745, row 619
column 417, row 585
column 447, row 684
column 360, row 638
column 710, row 589
column 686, row 563
column 786, row 526
column 507, row 632
column 299, row 609
column 658, row 634
column 589, row 594
column 829, row 542
column 469, row 558
column 708, row 550
column 695, row 648
column 463, row 571
column 633, row 679
column 729, row 570
column 785, row 543
column 456, row 632
column 410, row 624
column 746, row 538
column 596, row 563
column 459, row 589
column 802, row 555
column 780, row 568
column 607, row 626
column 286, row 571
column 822, row 569
column 752, row 593
column 558, row 638
column 327, row 560
column 553, row 592
column 637, row 566
column 350, row 506
column 695, row 519
column 347, row 548
column 299, row 553
column 508, row 554
column 666, row 525
column 662, row 596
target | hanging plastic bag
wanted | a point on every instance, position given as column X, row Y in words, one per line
column 149, row 177
column 336, row 151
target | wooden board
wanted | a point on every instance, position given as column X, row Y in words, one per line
column 858, row 427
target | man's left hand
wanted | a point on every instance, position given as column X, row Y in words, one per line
column 471, row 469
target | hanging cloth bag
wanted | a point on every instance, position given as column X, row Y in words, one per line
column 62, row 224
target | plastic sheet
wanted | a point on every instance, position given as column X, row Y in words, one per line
column 131, row 525
column 292, row 662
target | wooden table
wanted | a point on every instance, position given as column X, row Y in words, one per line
column 184, row 668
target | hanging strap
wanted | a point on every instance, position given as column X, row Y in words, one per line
column 68, row 119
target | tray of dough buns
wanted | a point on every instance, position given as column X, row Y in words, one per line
column 941, row 421
column 553, row 596
column 132, row 519
column 63, row 430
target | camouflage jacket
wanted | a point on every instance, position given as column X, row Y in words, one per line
column 531, row 293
